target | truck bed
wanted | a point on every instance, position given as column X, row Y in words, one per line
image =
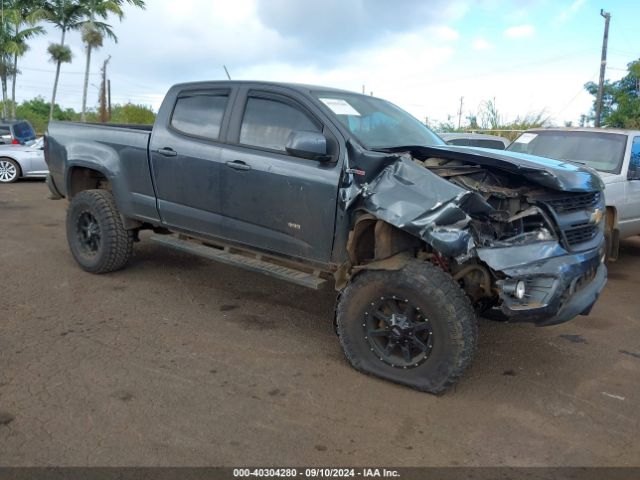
column 111, row 149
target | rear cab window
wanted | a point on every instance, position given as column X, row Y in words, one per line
column 199, row 114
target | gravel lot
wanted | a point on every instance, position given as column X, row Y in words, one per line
column 181, row 361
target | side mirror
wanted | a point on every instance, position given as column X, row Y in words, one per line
column 306, row 144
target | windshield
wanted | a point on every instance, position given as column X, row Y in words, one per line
column 23, row 131
column 599, row 150
column 376, row 123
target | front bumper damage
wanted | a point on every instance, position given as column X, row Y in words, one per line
column 560, row 285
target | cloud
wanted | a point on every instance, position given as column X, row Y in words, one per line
column 569, row 12
column 519, row 31
column 443, row 33
column 333, row 27
column 481, row 44
column 405, row 51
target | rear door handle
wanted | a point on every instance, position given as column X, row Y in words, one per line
column 167, row 152
column 238, row 165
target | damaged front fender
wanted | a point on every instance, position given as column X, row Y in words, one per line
column 425, row 205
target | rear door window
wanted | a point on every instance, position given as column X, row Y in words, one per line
column 199, row 115
column 24, row 131
column 267, row 123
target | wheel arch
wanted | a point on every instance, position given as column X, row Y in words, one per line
column 80, row 178
column 372, row 239
column 374, row 244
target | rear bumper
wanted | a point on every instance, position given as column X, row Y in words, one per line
column 559, row 287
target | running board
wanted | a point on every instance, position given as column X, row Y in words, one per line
column 255, row 262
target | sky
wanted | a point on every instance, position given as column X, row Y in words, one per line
column 530, row 56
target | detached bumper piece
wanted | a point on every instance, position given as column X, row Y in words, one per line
column 556, row 289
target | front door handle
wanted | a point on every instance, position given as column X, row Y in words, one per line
column 238, row 165
column 167, row 152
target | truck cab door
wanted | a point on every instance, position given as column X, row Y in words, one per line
column 272, row 199
column 185, row 154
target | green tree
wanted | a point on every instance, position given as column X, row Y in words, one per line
column 620, row 99
column 6, row 47
column 93, row 32
column 133, row 114
column 65, row 15
column 23, row 16
column 37, row 111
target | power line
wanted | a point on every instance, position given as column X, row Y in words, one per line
column 53, row 71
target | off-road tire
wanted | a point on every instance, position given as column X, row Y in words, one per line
column 115, row 242
column 6, row 162
column 452, row 318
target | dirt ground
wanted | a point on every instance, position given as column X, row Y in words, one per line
column 182, row 361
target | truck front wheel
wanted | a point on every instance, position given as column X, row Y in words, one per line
column 97, row 239
column 413, row 326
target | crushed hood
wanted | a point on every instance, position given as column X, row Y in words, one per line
column 555, row 174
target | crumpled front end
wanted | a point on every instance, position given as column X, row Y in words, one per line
column 532, row 251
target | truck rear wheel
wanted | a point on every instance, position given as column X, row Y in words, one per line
column 413, row 326
column 97, row 239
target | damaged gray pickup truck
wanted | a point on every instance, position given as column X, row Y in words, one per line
column 309, row 184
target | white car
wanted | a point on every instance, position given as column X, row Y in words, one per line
column 614, row 153
column 17, row 161
column 475, row 140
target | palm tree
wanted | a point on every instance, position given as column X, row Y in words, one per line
column 24, row 15
column 7, row 45
column 93, row 33
column 65, row 15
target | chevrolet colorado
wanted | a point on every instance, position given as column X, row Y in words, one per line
column 309, row 184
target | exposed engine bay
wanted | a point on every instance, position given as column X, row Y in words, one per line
column 516, row 217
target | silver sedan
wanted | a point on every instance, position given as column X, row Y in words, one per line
column 18, row 161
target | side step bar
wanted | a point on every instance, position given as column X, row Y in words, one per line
column 255, row 263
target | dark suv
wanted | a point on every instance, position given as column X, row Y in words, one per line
column 16, row 132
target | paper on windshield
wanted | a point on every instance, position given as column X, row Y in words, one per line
column 526, row 138
column 340, row 106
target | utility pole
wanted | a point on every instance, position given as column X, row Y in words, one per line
column 109, row 98
column 103, row 92
column 603, row 66
column 460, row 112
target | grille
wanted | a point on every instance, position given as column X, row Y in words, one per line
column 571, row 203
column 580, row 233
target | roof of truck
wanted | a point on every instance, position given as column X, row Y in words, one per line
column 294, row 86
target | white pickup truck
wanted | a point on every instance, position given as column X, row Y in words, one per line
column 615, row 154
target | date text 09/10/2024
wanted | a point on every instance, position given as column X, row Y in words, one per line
column 315, row 473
